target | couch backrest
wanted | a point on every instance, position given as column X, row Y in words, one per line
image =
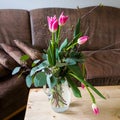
column 104, row 28
column 14, row 24
column 41, row 34
column 102, row 25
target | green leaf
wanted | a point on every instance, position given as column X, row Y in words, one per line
column 36, row 69
column 70, row 61
column 48, row 81
column 77, row 28
column 87, row 84
column 62, row 80
column 75, row 69
column 59, row 64
column 40, row 79
column 57, row 55
column 51, row 81
column 74, row 88
column 28, row 81
column 16, row 70
column 44, row 56
column 35, row 62
column 76, row 73
column 39, row 67
column 24, row 58
column 63, row 45
column 80, row 60
column 95, row 90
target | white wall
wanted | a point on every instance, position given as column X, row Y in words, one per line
column 32, row 4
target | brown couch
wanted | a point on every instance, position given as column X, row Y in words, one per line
column 102, row 50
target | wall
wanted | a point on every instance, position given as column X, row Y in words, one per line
column 32, row 4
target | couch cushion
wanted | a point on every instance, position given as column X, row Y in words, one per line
column 3, row 71
column 102, row 63
column 102, row 24
column 104, row 81
column 14, row 24
column 7, row 61
column 16, row 54
column 13, row 95
column 29, row 50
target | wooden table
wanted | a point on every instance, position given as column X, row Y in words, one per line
column 38, row 107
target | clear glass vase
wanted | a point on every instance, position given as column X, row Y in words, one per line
column 59, row 97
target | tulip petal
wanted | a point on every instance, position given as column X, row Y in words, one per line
column 62, row 19
column 52, row 23
column 82, row 40
column 95, row 108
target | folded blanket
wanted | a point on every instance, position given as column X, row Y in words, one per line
column 102, row 63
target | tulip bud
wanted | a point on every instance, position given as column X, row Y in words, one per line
column 52, row 23
column 82, row 40
column 62, row 19
column 82, row 86
column 95, row 108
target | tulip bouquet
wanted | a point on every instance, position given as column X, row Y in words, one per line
column 61, row 62
column 65, row 59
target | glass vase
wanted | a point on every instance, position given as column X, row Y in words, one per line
column 59, row 97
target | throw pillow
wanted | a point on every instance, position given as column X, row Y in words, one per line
column 102, row 63
column 16, row 54
column 33, row 53
column 7, row 61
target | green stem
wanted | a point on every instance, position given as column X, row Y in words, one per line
column 58, row 100
column 53, row 38
column 91, row 95
column 83, row 69
column 71, row 46
column 53, row 49
column 58, row 36
column 83, row 81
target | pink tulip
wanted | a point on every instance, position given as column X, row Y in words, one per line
column 82, row 86
column 82, row 40
column 62, row 19
column 95, row 108
column 52, row 23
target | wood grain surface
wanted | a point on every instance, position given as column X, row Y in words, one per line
column 38, row 107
